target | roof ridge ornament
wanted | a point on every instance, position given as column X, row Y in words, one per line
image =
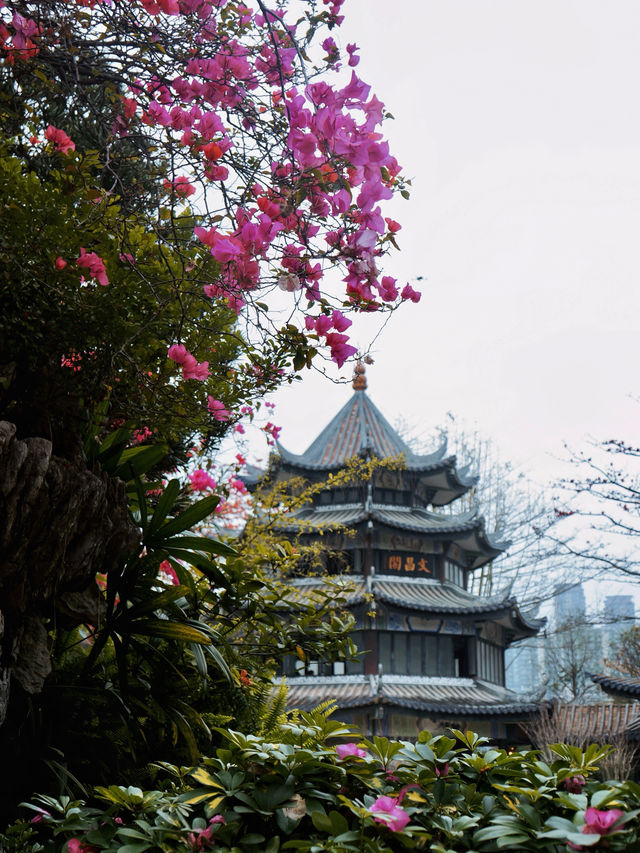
column 359, row 379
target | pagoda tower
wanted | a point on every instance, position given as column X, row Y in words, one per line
column 433, row 652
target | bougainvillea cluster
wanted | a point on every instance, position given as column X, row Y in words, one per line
column 277, row 158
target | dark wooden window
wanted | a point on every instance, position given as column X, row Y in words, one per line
column 409, row 653
column 490, row 662
column 454, row 573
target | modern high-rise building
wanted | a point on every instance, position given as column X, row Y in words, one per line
column 573, row 647
column 569, row 602
column 524, row 664
column 618, row 615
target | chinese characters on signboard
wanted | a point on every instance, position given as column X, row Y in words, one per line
column 407, row 564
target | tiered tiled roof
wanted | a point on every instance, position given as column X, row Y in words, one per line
column 427, row 596
column 625, row 687
column 454, row 696
column 360, row 429
column 468, row 528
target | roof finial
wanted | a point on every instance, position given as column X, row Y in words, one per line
column 359, row 379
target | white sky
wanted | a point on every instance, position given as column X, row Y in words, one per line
column 519, row 124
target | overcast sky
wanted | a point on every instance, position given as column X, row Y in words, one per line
column 518, row 122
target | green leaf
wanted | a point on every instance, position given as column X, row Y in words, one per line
column 199, row 658
column 220, row 662
column 202, row 543
column 157, row 601
column 169, row 630
column 322, row 822
column 136, row 461
column 164, row 506
column 187, row 519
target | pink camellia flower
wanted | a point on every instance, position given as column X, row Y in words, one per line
column 600, row 821
column 386, row 810
column 218, row 409
column 574, row 784
column 40, row 816
column 60, row 263
column 62, row 142
column 203, row 840
column 74, row 845
column 95, row 265
column 345, row 750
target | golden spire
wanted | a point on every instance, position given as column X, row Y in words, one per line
column 359, row 378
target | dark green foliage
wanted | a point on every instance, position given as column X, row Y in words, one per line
column 168, row 662
column 294, row 792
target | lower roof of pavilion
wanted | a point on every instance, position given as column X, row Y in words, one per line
column 423, row 595
column 465, row 697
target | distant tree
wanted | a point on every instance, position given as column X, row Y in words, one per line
column 515, row 510
column 625, row 654
column 598, row 521
column 572, row 651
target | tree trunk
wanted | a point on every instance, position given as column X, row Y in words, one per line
column 60, row 524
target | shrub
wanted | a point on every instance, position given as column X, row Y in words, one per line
column 300, row 792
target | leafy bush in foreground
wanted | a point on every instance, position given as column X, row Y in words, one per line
column 306, row 793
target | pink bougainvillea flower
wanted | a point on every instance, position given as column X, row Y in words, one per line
column 409, row 293
column 60, row 263
column 386, row 810
column 574, row 784
column 192, row 369
column 289, row 282
column 181, row 186
column 177, row 353
column 226, row 249
column 218, row 409
column 601, row 821
column 201, row 481
column 216, row 173
column 168, row 573
column 25, row 29
column 344, row 750
column 62, row 142
column 340, row 322
column 340, row 349
column 392, row 225
column 95, row 265
column 387, row 288
column 353, row 59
